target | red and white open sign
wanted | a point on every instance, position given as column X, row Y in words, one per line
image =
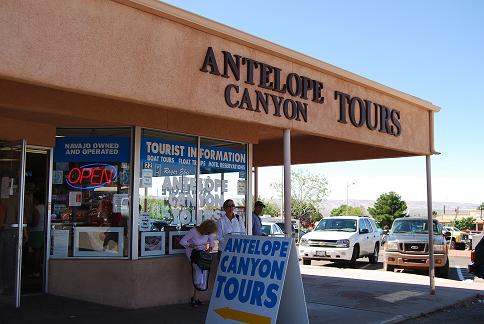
column 92, row 176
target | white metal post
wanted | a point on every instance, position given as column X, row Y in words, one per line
column 135, row 180
column 47, row 239
column 249, row 202
column 431, row 227
column 20, row 224
column 256, row 183
column 287, row 182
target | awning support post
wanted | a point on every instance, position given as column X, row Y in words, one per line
column 431, row 227
column 287, row 182
column 256, row 183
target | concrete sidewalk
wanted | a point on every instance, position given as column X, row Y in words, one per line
column 332, row 294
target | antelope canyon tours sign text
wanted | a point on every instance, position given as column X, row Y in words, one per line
column 290, row 95
column 258, row 281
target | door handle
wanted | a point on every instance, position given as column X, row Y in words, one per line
column 16, row 225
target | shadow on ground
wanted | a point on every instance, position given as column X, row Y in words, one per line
column 328, row 298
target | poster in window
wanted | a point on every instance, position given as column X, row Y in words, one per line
column 174, row 246
column 75, row 198
column 59, row 244
column 121, row 203
column 240, row 187
column 147, row 178
column 98, row 241
column 152, row 243
column 57, row 177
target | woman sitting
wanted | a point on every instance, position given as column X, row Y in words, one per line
column 195, row 243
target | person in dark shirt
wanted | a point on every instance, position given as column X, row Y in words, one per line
column 256, row 222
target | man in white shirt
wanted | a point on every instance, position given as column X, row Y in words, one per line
column 229, row 223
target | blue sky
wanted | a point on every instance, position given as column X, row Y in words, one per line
column 433, row 50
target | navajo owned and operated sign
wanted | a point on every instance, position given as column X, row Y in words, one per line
column 258, row 281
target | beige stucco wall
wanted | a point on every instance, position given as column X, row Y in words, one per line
column 112, row 50
column 35, row 133
column 126, row 283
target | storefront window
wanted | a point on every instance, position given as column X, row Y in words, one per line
column 174, row 197
column 168, row 191
column 91, row 193
column 223, row 170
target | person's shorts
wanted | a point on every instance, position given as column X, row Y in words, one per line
column 37, row 239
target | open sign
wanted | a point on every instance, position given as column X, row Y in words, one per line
column 92, row 176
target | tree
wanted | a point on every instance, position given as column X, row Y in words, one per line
column 305, row 209
column 387, row 208
column 481, row 207
column 347, row 210
column 271, row 208
column 307, row 193
column 466, row 223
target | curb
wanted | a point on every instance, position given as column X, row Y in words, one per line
column 401, row 318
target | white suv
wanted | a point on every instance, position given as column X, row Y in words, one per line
column 341, row 238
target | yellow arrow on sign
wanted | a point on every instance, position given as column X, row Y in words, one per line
column 244, row 317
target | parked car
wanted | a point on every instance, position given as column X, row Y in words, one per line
column 341, row 238
column 272, row 229
column 294, row 229
column 477, row 256
column 458, row 239
column 406, row 246
column 473, row 235
column 282, row 226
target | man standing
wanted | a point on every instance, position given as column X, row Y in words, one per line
column 256, row 222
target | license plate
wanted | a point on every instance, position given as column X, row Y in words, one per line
column 321, row 253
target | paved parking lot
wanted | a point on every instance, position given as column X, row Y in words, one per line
column 376, row 296
column 459, row 260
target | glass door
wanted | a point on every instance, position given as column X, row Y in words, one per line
column 12, row 181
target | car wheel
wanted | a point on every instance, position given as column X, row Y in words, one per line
column 443, row 272
column 388, row 267
column 306, row 261
column 354, row 256
column 374, row 257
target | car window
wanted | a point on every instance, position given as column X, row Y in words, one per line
column 368, row 225
column 281, row 225
column 266, row 229
column 277, row 229
column 336, row 224
column 415, row 226
column 361, row 224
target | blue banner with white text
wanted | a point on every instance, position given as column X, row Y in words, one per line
column 92, row 149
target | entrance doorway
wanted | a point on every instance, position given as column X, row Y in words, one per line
column 23, row 195
column 35, row 211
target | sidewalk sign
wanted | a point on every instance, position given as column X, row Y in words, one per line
column 258, row 281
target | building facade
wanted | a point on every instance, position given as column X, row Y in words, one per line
column 125, row 123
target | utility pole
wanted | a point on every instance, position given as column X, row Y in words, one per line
column 347, row 204
column 456, row 214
